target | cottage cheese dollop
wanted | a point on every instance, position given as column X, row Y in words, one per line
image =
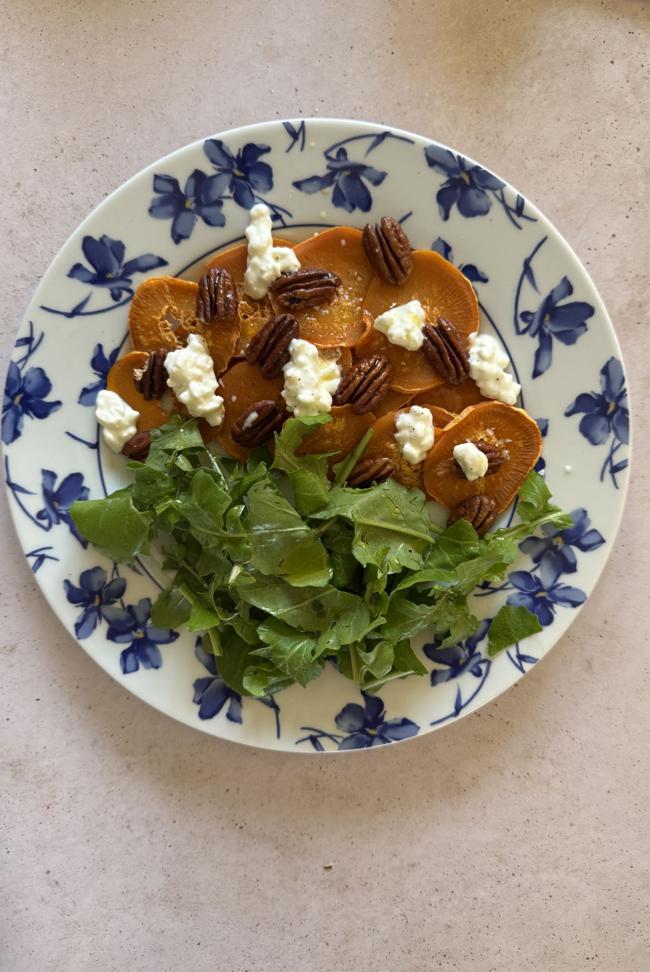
column 310, row 380
column 471, row 460
column 117, row 419
column 487, row 366
column 414, row 433
column 265, row 262
column 403, row 325
column 192, row 379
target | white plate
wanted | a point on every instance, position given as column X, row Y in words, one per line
column 534, row 295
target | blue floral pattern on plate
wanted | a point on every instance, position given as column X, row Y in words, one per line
column 541, row 305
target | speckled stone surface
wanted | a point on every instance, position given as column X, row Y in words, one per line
column 517, row 839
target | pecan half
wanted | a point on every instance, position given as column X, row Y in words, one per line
column 495, row 456
column 306, row 287
column 388, row 250
column 369, row 471
column 270, row 347
column 137, row 446
column 477, row 510
column 151, row 382
column 216, row 299
column 365, row 384
column 258, row 423
column 446, row 351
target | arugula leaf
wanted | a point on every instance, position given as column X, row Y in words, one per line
column 281, row 542
column 178, row 434
column 294, row 653
column 151, row 486
column 391, row 523
column 234, row 660
column 205, row 509
column 171, row 608
column 114, row 525
column 406, row 618
column 264, row 679
column 534, row 507
column 511, row 624
column 307, row 474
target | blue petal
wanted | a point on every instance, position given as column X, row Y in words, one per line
column 194, row 184
column 161, row 636
column 485, row 179
column 75, row 594
column 12, row 424
column 568, row 596
column 71, row 489
column 355, row 191
column 116, row 247
column 621, row 424
column 214, row 187
column 442, row 160
column 595, row 428
column 14, row 381
column 612, row 379
column 219, row 153
column 446, row 197
column 117, row 618
column 260, row 177
column 141, row 611
column 340, row 200
column 211, row 214
column 250, row 154
column 114, row 590
column 183, row 225
column 36, row 383
column 82, row 273
column 315, row 183
column 148, row 653
column 534, row 547
column 351, row 718
column 524, row 581
column 396, row 729
column 473, row 202
column 356, row 741
column 234, row 711
column 242, row 193
column 374, row 176
column 129, row 661
column 86, row 622
column 166, row 184
column 142, row 264
column 166, row 207
column 590, row 541
column 568, row 316
column 99, row 256
column 40, row 409
column 559, row 560
column 214, row 697
column 542, row 425
column 88, row 394
column 560, row 292
column 207, row 659
column 374, row 710
column 587, row 403
column 473, row 274
column 92, row 580
column 543, row 354
column 442, row 247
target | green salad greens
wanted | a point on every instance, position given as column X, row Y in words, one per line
column 282, row 568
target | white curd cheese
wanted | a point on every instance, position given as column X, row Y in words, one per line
column 471, row 460
column 117, row 419
column 192, row 379
column 310, row 379
column 414, row 433
column 487, row 366
column 265, row 262
column 403, row 325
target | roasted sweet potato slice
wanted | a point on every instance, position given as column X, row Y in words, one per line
column 454, row 398
column 441, row 416
column 338, row 324
column 510, row 429
column 392, row 402
column 443, row 291
column 120, row 381
column 234, row 259
column 338, row 436
column 241, row 386
column 163, row 313
column 383, row 444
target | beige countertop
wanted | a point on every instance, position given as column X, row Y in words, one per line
column 517, row 839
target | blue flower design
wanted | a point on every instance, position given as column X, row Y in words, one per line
column 555, row 550
column 101, row 365
column 467, row 186
column 97, row 596
column 365, row 725
column 604, row 413
column 541, row 593
column 458, row 659
column 565, row 322
column 242, row 175
column 130, row 626
column 469, row 270
column 25, row 394
column 348, row 180
column 38, row 556
column 108, row 268
column 59, row 499
column 211, row 693
column 200, row 198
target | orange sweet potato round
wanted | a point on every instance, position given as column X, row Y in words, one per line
column 338, row 436
column 241, row 386
column 384, row 445
column 120, row 381
column 338, row 324
column 454, row 398
column 514, row 432
column 392, row 402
